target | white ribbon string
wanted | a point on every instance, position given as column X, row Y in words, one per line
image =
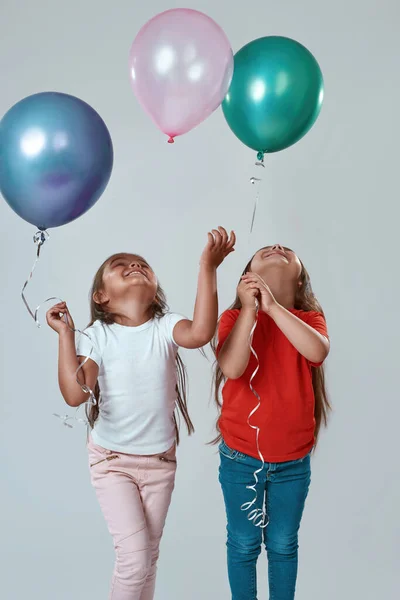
column 256, row 180
column 257, row 515
column 39, row 239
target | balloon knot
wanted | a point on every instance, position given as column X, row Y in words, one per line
column 40, row 237
column 171, row 140
column 260, row 155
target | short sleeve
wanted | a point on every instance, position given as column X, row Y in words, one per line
column 317, row 321
column 89, row 344
column 225, row 326
column 169, row 322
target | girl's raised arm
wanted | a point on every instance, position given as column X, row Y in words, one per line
column 199, row 331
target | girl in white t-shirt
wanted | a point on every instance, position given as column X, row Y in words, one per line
column 138, row 378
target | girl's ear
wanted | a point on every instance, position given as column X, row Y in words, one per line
column 99, row 297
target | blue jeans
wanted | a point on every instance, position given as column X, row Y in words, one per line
column 285, row 487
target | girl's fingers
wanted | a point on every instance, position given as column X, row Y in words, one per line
column 211, row 240
column 232, row 239
column 58, row 311
column 254, row 292
column 228, row 243
column 55, row 311
column 254, row 277
column 57, row 306
column 251, row 286
column 218, row 239
column 254, row 286
column 224, row 234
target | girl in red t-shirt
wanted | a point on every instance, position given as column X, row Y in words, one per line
column 265, row 453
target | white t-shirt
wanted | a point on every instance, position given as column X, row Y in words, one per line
column 137, row 379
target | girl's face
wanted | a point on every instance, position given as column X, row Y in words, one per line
column 276, row 257
column 126, row 274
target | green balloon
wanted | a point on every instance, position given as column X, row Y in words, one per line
column 276, row 94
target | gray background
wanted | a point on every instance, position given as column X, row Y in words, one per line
column 332, row 197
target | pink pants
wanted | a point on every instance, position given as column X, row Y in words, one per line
column 134, row 493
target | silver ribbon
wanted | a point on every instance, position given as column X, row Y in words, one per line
column 39, row 239
column 257, row 515
column 253, row 180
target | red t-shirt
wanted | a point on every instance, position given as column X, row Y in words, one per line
column 284, row 384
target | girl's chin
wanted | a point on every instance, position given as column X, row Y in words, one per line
column 137, row 282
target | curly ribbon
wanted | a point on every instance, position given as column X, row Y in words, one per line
column 39, row 239
column 253, row 180
column 258, row 516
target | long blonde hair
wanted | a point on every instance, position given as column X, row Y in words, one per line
column 159, row 307
column 304, row 300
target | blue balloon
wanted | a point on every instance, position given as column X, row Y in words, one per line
column 56, row 158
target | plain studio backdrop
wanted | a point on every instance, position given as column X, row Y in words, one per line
column 333, row 197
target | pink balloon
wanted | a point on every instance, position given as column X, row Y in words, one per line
column 181, row 66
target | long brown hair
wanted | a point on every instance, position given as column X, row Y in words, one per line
column 159, row 307
column 304, row 300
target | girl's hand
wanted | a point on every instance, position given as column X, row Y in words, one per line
column 257, row 284
column 218, row 247
column 57, row 318
column 247, row 294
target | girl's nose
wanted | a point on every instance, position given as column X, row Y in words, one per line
column 277, row 247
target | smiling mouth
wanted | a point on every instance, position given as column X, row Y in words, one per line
column 275, row 254
column 135, row 273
